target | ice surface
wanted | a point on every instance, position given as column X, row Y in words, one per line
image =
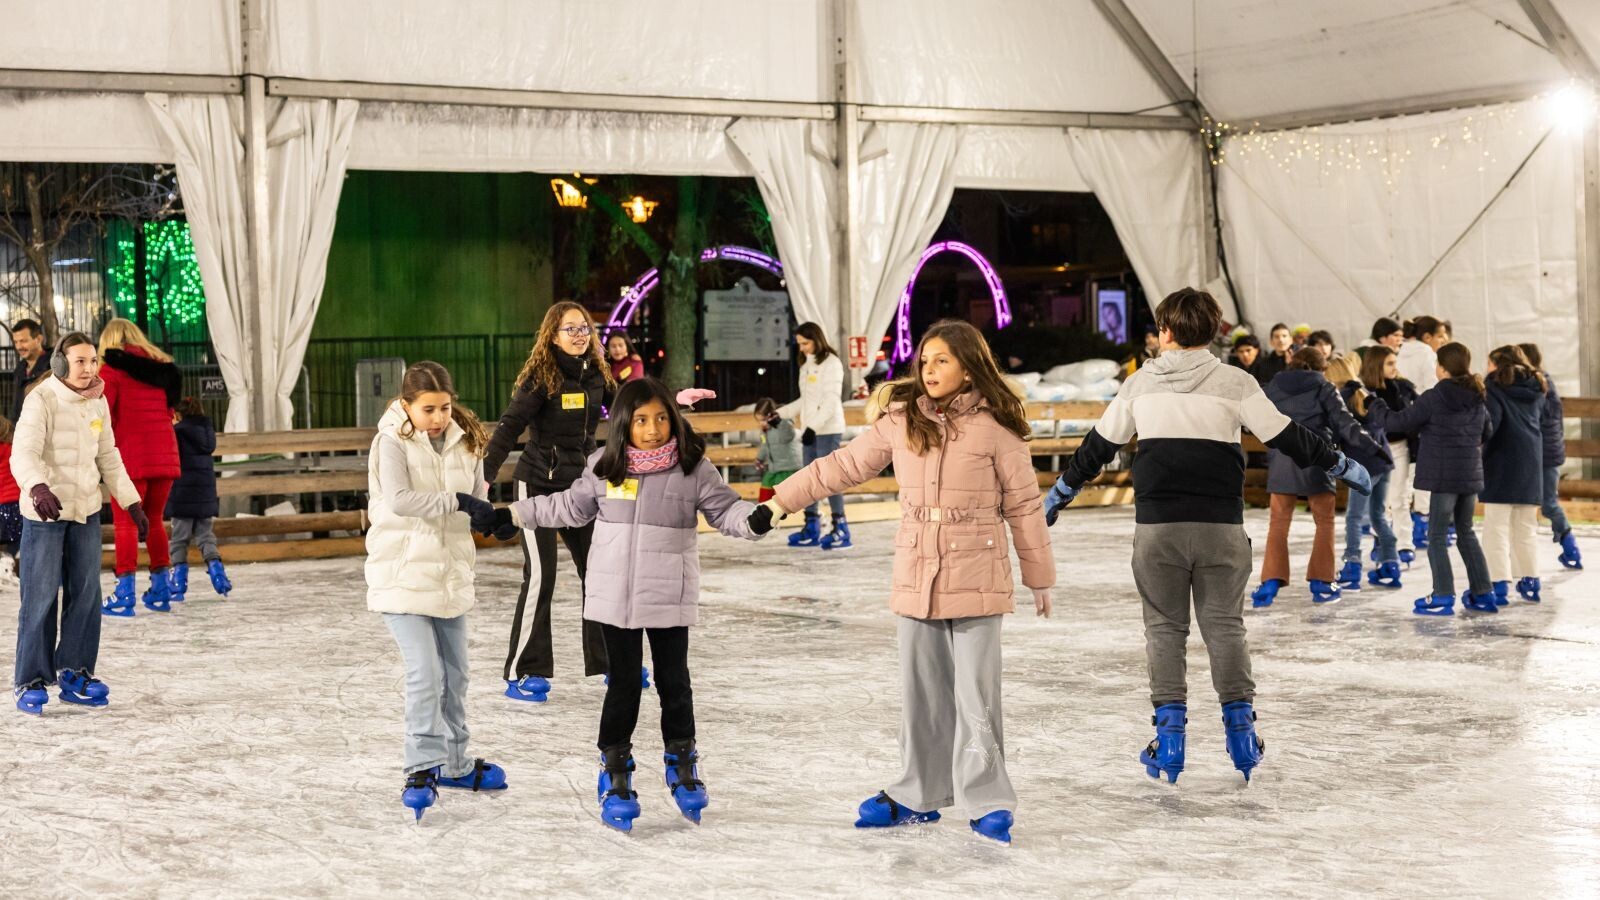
column 252, row 748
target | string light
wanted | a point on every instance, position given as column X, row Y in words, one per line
column 174, row 290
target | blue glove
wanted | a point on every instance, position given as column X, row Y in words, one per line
column 1060, row 495
column 1352, row 473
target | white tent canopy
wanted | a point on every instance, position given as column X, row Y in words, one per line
column 1335, row 233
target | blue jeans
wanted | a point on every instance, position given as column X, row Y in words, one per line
column 1371, row 509
column 1550, row 502
column 435, row 654
column 1445, row 510
column 58, row 558
column 822, row 446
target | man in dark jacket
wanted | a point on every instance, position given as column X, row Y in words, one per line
column 33, row 361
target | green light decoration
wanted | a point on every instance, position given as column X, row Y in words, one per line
column 176, row 296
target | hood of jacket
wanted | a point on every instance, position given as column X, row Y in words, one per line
column 1524, row 390
column 1294, row 382
column 1181, row 370
column 1454, row 396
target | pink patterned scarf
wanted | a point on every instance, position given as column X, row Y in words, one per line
column 643, row 462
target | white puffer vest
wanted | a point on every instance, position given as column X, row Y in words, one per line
column 421, row 566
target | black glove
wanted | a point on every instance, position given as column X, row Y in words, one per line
column 761, row 520
column 808, row 437
column 45, row 502
column 480, row 512
column 773, row 420
column 504, row 528
column 140, row 520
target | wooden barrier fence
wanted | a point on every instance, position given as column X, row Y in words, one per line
column 311, row 463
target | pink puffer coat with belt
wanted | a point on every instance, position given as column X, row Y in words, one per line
column 951, row 559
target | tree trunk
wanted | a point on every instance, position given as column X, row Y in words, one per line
column 37, row 251
column 680, row 287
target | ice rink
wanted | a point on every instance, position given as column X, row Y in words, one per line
column 252, row 748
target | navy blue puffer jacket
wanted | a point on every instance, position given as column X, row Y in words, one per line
column 1452, row 423
column 194, row 494
column 1550, row 425
column 1309, row 399
column 1513, row 459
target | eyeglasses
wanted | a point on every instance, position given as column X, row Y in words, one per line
column 577, row 331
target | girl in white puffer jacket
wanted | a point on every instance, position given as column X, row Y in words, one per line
column 423, row 469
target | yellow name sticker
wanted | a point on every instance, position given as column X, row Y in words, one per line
column 627, row 490
column 811, row 378
column 97, row 425
column 572, row 401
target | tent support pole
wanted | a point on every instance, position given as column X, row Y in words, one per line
column 847, row 159
column 257, row 189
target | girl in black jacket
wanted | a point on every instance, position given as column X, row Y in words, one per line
column 1512, row 470
column 1303, row 394
column 193, row 502
column 1380, row 379
column 1555, row 454
column 559, row 400
column 1452, row 423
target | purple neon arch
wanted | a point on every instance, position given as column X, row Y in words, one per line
column 623, row 312
column 903, row 348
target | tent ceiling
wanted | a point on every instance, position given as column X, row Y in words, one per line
column 1262, row 58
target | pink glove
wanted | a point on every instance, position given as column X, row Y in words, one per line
column 691, row 396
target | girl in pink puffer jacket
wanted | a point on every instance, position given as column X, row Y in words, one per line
column 957, row 437
column 644, row 493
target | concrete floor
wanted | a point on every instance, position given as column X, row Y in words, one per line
column 252, row 748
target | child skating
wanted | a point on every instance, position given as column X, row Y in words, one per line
column 642, row 494
column 1513, row 469
column 64, row 448
column 1553, row 429
column 957, row 438
column 193, row 503
column 1451, row 423
column 424, row 470
column 1189, row 544
column 778, row 457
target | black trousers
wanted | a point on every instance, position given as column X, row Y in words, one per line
column 669, row 657
column 531, row 651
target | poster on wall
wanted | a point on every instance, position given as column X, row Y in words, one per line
column 1112, row 319
column 745, row 323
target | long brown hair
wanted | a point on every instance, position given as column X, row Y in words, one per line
column 428, row 375
column 1512, row 365
column 969, row 348
column 812, row 332
column 541, row 371
column 1456, row 360
column 1372, row 367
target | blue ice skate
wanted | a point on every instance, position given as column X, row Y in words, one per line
column 839, row 537
column 422, row 788
column 1419, row 531
column 1266, row 593
column 31, row 698
column 1528, row 589
column 1385, row 575
column 121, row 601
column 880, row 811
column 1502, row 593
column 1407, row 557
column 995, row 826
column 619, row 805
column 531, row 688
column 644, row 678
column 1570, row 557
column 485, row 776
column 810, row 534
column 159, row 596
column 81, row 688
column 178, row 582
column 1484, row 603
column 1350, row 576
column 1165, row 753
column 1323, row 592
column 1244, row 745
column 219, row 577
column 683, row 779
column 1436, row 605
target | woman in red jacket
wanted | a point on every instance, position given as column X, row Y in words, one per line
column 142, row 388
column 10, row 512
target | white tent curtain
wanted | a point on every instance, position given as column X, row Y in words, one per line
column 309, row 145
column 1149, row 184
column 792, row 165
column 207, row 144
column 903, row 197
column 1339, row 233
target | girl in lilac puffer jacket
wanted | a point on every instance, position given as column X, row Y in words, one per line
column 643, row 492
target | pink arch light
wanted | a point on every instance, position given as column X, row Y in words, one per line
column 903, row 348
column 624, row 311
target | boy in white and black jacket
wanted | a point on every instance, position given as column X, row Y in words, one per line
column 1187, row 408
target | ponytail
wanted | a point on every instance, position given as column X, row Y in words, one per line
column 1512, row 365
column 1456, row 360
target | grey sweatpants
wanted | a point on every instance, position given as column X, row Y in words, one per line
column 1208, row 564
column 198, row 531
column 951, row 741
column 435, row 653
